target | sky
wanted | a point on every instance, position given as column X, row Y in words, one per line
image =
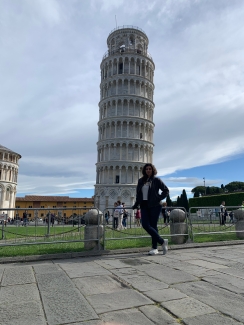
column 50, row 58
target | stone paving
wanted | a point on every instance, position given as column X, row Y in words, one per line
column 197, row 286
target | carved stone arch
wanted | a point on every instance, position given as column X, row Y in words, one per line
column 113, row 193
column 102, row 193
column 138, row 61
column 8, row 192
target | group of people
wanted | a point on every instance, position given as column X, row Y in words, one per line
column 120, row 215
column 224, row 213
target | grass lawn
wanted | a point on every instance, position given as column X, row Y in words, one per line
column 134, row 237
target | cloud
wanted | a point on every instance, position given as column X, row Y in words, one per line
column 50, row 75
column 49, row 10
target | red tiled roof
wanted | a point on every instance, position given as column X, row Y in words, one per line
column 34, row 198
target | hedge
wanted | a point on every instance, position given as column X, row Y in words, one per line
column 231, row 199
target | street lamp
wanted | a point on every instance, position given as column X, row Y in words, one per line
column 204, row 185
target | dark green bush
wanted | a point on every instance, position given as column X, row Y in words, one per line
column 231, row 199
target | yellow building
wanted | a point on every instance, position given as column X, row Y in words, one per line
column 73, row 205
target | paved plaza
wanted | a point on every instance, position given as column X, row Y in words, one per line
column 194, row 286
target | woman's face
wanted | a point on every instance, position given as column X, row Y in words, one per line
column 149, row 171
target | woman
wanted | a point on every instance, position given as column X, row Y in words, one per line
column 148, row 197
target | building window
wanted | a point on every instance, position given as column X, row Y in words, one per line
column 42, row 206
column 42, row 214
column 7, row 194
column 117, row 179
column 54, row 206
column 64, row 214
column 30, row 206
column 140, row 135
column 17, row 207
column 120, row 68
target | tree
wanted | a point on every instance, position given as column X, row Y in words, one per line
column 208, row 190
column 199, row 189
column 168, row 201
column 184, row 200
column 178, row 202
column 235, row 186
column 196, row 194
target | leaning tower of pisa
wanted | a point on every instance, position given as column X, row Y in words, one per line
column 125, row 126
column 8, row 179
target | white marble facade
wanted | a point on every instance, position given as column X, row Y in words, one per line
column 125, row 126
column 8, row 179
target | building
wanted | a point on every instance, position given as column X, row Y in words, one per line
column 125, row 126
column 73, row 205
column 8, row 179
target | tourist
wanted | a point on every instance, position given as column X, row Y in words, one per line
column 119, row 211
column 148, row 197
column 125, row 216
column 53, row 219
column 115, row 218
column 165, row 213
column 222, row 217
column 138, row 218
column 106, row 218
column 231, row 215
column 24, row 219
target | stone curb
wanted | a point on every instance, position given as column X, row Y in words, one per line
column 34, row 258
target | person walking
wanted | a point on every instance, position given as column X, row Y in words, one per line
column 125, row 216
column 148, row 197
column 115, row 216
column 222, row 214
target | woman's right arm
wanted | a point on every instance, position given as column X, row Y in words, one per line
column 136, row 203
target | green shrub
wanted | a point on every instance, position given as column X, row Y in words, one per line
column 231, row 199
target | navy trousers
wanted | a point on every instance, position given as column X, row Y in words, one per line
column 149, row 221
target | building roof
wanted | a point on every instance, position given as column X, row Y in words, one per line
column 35, row 198
column 2, row 148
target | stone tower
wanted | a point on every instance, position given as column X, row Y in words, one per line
column 125, row 126
column 8, row 179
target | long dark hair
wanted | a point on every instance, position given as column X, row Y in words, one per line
column 154, row 170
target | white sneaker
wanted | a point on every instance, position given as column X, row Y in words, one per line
column 153, row 252
column 165, row 246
